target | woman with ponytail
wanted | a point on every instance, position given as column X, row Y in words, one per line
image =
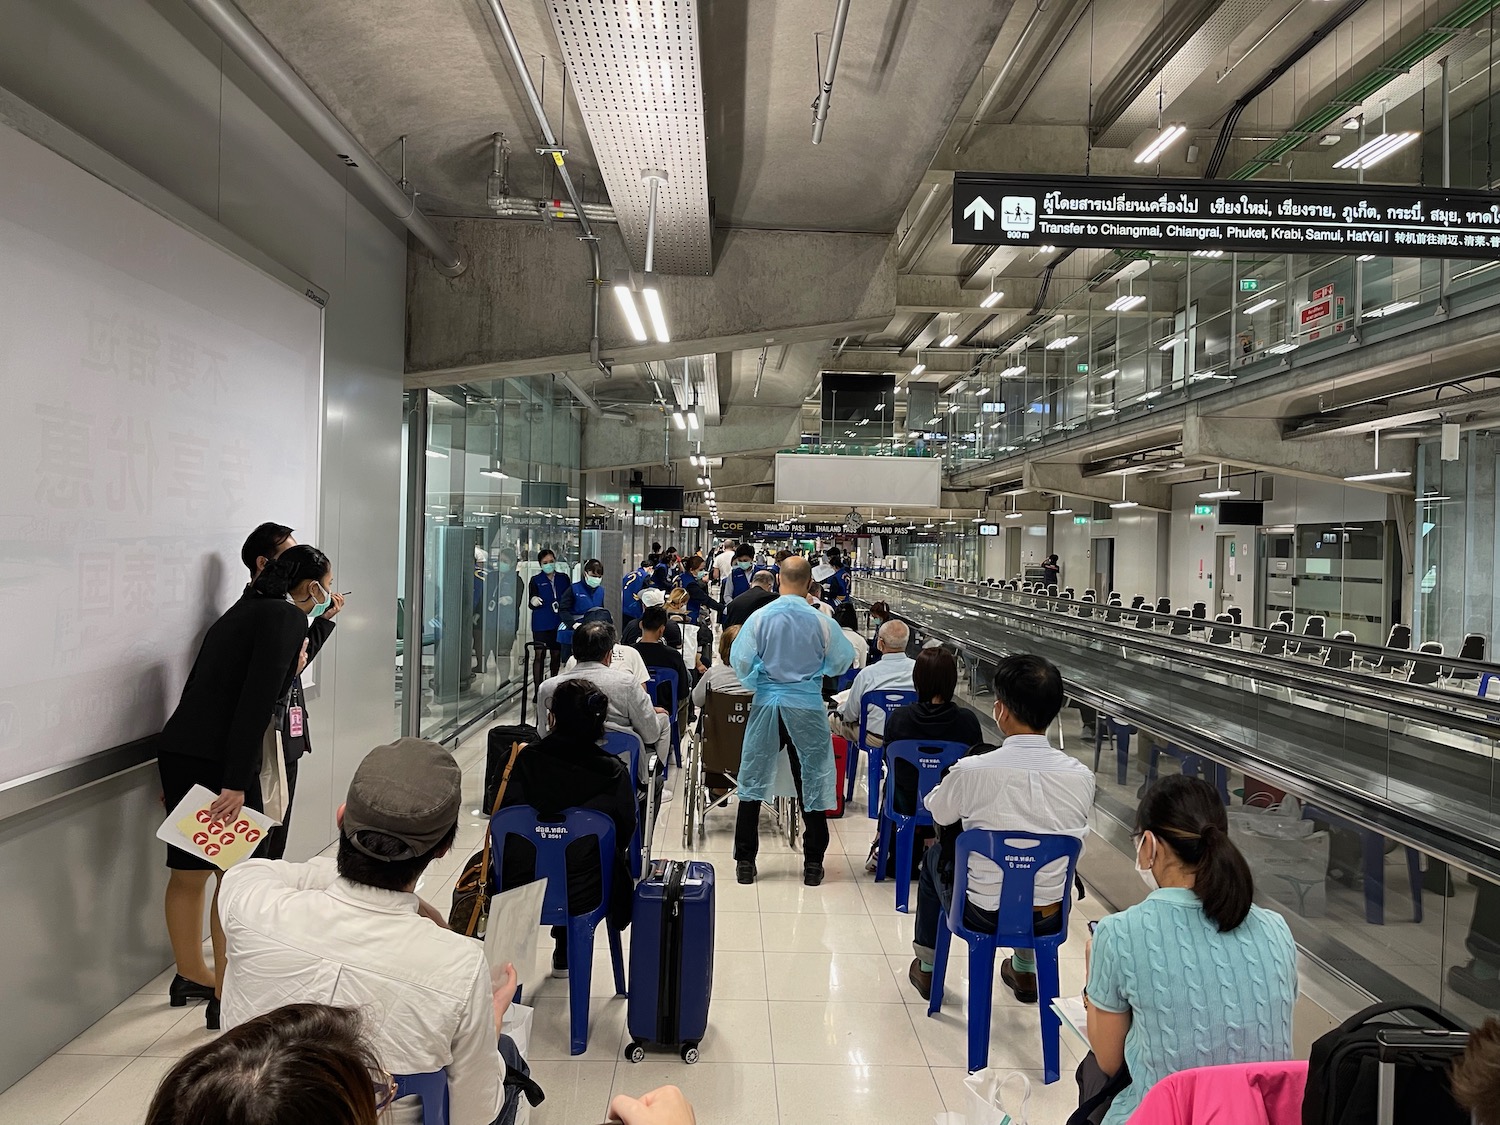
column 570, row 769
column 1196, row 975
column 244, row 668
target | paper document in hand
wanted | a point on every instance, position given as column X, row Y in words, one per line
column 510, row 936
column 191, row 827
column 822, row 572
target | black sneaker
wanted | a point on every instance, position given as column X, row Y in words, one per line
column 560, row 962
column 812, row 874
column 744, row 871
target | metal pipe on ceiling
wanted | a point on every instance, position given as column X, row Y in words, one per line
column 589, row 238
column 992, row 92
column 241, row 37
column 825, row 91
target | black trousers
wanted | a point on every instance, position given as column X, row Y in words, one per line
column 274, row 845
column 814, row 822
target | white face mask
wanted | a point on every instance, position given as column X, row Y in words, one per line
column 1147, row 875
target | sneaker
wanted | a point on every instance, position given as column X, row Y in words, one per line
column 921, row 981
column 666, row 796
column 560, row 962
column 812, row 874
column 744, row 871
column 1022, row 984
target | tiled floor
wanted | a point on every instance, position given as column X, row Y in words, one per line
column 812, row 1020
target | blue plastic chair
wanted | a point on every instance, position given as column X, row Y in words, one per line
column 846, row 681
column 931, row 760
column 886, row 701
column 1121, row 733
column 551, row 840
column 628, row 743
column 1372, row 855
column 1193, row 765
column 668, row 676
column 1019, row 855
column 432, row 1088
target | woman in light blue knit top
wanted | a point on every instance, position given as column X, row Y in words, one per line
column 1196, row 975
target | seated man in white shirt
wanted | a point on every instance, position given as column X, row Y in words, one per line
column 1024, row 785
column 892, row 672
column 623, row 657
column 629, row 705
column 352, row 932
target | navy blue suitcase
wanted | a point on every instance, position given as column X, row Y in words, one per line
column 671, row 957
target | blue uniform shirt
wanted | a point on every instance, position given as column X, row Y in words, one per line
column 556, row 595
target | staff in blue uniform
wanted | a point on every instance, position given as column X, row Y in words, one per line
column 550, row 596
column 691, row 583
column 836, row 585
column 782, row 654
column 630, row 591
column 737, row 581
column 587, row 594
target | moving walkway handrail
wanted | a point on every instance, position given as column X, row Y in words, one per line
column 1475, row 850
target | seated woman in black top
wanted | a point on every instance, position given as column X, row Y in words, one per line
column 936, row 719
column 570, row 769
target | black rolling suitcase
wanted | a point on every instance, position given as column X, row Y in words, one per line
column 1372, row 1072
column 501, row 739
column 671, row 958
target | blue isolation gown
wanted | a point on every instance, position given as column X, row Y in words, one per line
column 782, row 654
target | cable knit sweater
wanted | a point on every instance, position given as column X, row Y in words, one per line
column 1196, row 997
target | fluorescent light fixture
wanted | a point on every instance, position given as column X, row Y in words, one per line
column 1365, row 258
column 1351, row 123
column 917, row 370
column 1062, row 511
column 848, row 433
column 1219, row 494
column 949, row 340
column 678, row 420
column 981, row 392
column 1163, row 140
column 1282, row 349
column 953, row 409
column 1168, row 345
column 1151, row 395
column 1010, row 372
column 1061, row 342
column 1383, row 474
column 1431, row 499
column 651, row 295
column 991, row 299
column 1260, row 305
column 1376, row 149
column 1110, row 374
column 1390, row 309
column 1106, row 411
column 913, row 433
column 934, row 421
column 692, row 419
column 1208, row 253
column 958, row 386
column 1048, row 249
column 693, row 459
column 1011, row 516
column 496, row 473
column 437, row 454
column 864, row 421
column 626, row 296
column 980, row 519
column 1118, row 504
column 1126, row 303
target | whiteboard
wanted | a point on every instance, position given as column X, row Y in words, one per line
column 160, row 399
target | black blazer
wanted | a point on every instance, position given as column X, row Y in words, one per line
column 741, row 606
column 245, row 665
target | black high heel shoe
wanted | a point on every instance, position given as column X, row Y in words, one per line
column 183, row 990
column 211, row 1015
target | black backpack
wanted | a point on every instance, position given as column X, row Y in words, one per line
column 1343, row 1073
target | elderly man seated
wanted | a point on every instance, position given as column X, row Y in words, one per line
column 892, row 672
column 629, row 705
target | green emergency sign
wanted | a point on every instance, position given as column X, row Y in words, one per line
column 1249, row 285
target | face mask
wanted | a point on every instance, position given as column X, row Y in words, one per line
column 548, row 568
column 319, row 607
column 1147, row 875
column 502, row 566
column 593, row 582
column 745, row 565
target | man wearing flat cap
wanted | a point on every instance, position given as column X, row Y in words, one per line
column 352, row 932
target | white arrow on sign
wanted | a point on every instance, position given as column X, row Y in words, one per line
column 979, row 211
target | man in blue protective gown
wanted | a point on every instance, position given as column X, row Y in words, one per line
column 782, row 654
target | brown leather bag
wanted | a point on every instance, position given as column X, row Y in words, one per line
column 472, row 892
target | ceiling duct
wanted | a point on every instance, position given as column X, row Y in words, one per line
column 635, row 71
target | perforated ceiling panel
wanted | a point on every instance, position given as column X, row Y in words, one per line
column 634, row 68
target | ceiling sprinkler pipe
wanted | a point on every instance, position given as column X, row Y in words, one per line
column 825, row 92
column 992, row 92
column 241, row 37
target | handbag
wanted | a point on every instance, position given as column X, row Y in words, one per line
column 470, row 912
column 273, row 783
column 1097, row 1091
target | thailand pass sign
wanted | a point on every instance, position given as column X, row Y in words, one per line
column 1241, row 216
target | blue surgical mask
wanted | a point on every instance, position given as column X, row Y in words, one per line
column 548, row 568
column 593, row 581
column 319, row 607
column 746, row 565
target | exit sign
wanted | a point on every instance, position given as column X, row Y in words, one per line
column 1203, row 509
column 1083, row 369
column 1080, row 519
column 1249, row 285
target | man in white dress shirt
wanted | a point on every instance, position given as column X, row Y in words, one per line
column 352, row 932
column 892, row 672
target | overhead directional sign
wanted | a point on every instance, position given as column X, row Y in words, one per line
column 1247, row 216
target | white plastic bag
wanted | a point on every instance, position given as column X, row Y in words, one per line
column 988, row 1099
column 1287, row 857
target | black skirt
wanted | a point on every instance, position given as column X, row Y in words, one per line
column 179, row 773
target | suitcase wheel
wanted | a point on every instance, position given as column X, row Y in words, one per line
column 636, row 1052
column 690, row 1053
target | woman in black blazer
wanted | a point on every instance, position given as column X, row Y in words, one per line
column 244, row 667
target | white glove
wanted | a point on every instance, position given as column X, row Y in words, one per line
column 536, row 603
column 554, row 607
